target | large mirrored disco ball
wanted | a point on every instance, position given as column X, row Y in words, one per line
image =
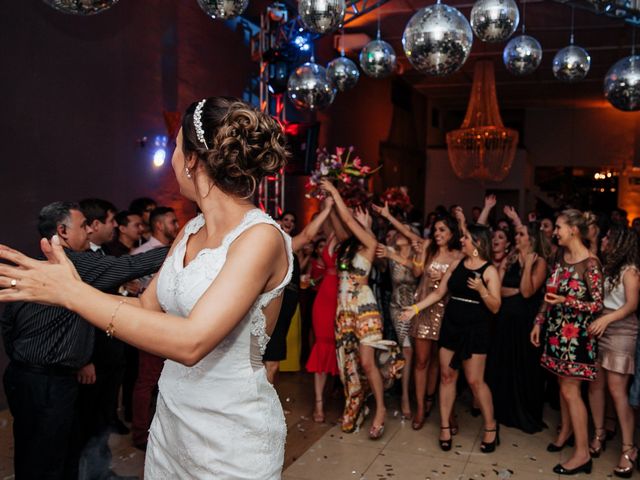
column 309, row 89
column 622, row 84
column 494, row 20
column 343, row 73
column 437, row 40
column 321, row 16
column 223, row 9
column 522, row 55
column 378, row 59
column 81, row 7
column 571, row 64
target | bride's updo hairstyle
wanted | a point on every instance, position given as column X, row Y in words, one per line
column 237, row 144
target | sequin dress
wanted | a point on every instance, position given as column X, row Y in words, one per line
column 403, row 290
column 426, row 325
column 568, row 348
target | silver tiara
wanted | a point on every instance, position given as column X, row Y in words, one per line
column 197, row 123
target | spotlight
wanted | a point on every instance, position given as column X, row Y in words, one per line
column 160, row 150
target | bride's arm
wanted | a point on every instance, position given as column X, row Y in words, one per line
column 255, row 262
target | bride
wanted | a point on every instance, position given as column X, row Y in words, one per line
column 217, row 415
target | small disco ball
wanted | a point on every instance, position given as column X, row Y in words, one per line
column 321, row 16
column 494, row 20
column 377, row 59
column 437, row 40
column 622, row 84
column 571, row 64
column 522, row 55
column 343, row 73
column 81, row 7
column 309, row 89
column 223, row 9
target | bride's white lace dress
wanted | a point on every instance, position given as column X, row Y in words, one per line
column 220, row 419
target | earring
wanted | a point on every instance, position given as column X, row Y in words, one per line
column 475, row 252
column 188, row 173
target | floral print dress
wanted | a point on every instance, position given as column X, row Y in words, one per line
column 568, row 348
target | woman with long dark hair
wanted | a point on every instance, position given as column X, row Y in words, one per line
column 573, row 299
column 358, row 322
column 473, row 286
column 617, row 332
column 513, row 365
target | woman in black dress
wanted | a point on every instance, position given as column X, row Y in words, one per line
column 473, row 285
column 513, row 365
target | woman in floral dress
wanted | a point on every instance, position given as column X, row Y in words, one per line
column 573, row 300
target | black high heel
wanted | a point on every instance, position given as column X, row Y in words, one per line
column 488, row 447
column 569, row 442
column 584, row 468
column 602, row 440
column 445, row 445
column 626, row 472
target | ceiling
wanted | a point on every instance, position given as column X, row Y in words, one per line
column 606, row 39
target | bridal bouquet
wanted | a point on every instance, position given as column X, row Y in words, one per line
column 347, row 173
column 398, row 199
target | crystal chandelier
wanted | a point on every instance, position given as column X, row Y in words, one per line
column 482, row 148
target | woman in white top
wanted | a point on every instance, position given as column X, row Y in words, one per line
column 617, row 330
column 209, row 311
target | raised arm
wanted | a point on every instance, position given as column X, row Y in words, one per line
column 489, row 203
column 256, row 262
column 511, row 213
column 534, row 273
column 366, row 238
column 312, row 229
column 397, row 224
column 338, row 227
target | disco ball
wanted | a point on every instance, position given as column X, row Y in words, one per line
column 309, row 89
column 343, row 73
column 81, row 7
column 321, row 16
column 622, row 84
column 494, row 20
column 378, row 59
column 522, row 55
column 223, row 9
column 437, row 40
column 571, row 64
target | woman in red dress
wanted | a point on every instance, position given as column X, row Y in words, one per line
column 322, row 360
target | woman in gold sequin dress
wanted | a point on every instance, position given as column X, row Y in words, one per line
column 440, row 250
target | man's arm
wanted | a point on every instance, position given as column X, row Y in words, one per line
column 108, row 272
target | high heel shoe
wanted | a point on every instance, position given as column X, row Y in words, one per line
column 318, row 417
column 584, row 468
column 488, row 447
column 445, row 445
column 626, row 472
column 569, row 442
column 601, row 439
column 417, row 422
column 375, row 433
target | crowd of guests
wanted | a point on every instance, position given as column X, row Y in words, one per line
column 530, row 309
column 65, row 378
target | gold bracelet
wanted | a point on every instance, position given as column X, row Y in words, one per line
column 416, row 309
column 111, row 329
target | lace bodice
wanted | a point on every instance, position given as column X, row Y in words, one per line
column 220, row 418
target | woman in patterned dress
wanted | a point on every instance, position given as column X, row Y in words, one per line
column 617, row 332
column 399, row 256
column 358, row 322
column 573, row 300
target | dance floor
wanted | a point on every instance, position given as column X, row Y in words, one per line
column 323, row 452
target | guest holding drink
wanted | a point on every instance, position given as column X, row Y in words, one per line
column 573, row 300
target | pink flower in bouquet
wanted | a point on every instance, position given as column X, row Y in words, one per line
column 366, row 169
column 339, row 151
column 357, row 163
